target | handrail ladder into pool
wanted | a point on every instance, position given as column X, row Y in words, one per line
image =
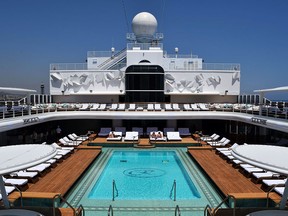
column 114, row 190
column 213, row 212
column 76, row 212
column 173, row 189
column 110, row 211
column 177, row 211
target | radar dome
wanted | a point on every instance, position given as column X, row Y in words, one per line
column 144, row 26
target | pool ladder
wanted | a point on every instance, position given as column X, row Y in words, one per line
column 173, row 191
column 110, row 211
column 114, row 190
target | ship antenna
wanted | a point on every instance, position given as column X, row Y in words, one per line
column 125, row 14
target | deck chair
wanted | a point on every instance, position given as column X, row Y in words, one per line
column 279, row 190
column 150, row 107
column 173, row 136
column 117, row 136
column 176, row 107
column 203, row 107
column 168, row 107
column 104, row 132
column 132, row 107
column 195, row 107
column 187, row 107
column 14, row 181
column 165, row 130
column 94, row 107
column 184, row 132
column 8, row 189
column 84, row 107
column 102, row 107
column 257, row 177
column 139, row 130
column 274, row 182
column 131, row 136
column 121, row 129
column 121, row 107
column 114, row 107
column 158, row 136
column 150, row 129
column 157, row 107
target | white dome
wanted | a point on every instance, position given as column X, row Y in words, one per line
column 144, row 25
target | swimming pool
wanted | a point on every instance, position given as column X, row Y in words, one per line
column 144, row 175
column 192, row 200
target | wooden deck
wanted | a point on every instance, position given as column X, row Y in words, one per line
column 144, row 142
column 228, row 179
column 66, row 173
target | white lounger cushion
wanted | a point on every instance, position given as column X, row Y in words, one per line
column 173, row 135
column 117, row 136
column 15, row 181
column 272, row 182
column 24, row 174
column 131, row 135
column 162, row 138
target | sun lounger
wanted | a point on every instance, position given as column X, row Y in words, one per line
column 250, row 170
column 157, row 136
column 84, row 107
column 184, row 132
column 219, row 143
column 176, row 107
column 79, row 138
column 8, row 189
column 132, row 107
column 157, row 107
column 187, row 107
column 70, row 142
column 279, row 190
column 139, row 130
column 150, row 129
column 139, row 108
column 173, row 136
column 104, row 132
column 165, row 130
column 121, row 129
column 214, row 138
column 168, row 107
column 121, row 107
column 195, row 107
column 30, row 176
column 203, row 107
column 273, row 182
column 114, row 107
column 15, row 181
column 94, row 107
column 226, row 148
column 131, row 136
column 257, row 177
column 150, row 107
column 102, row 107
column 39, row 168
column 114, row 136
column 208, row 138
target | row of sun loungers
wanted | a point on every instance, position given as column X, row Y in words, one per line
column 148, row 107
column 21, row 178
column 270, row 180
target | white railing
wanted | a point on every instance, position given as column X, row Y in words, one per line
column 144, row 46
column 68, row 66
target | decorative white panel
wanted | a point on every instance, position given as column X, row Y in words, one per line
column 87, row 82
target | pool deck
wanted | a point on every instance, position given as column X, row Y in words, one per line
column 227, row 178
column 62, row 177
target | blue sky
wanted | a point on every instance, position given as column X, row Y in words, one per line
column 35, row 33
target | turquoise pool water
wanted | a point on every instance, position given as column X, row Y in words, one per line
column 151, row 185
column 144, row 175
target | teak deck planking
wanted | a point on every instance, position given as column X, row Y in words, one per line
column 66, row 173
column 228, row 179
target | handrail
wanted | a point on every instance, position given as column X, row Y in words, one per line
column 173, row 189
column 80, row 210
column 213, row 212
column 177, row 211
column 208, row 207
column 21, row 196
column 114, row 189
column 110, row 211
column 267, row 201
